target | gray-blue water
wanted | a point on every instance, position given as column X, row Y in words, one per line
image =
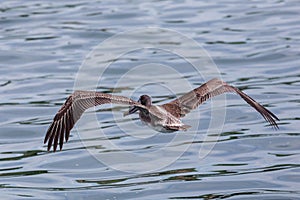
column 255, row 45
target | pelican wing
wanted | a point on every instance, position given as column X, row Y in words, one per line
column 73, row 108
column 191, row 100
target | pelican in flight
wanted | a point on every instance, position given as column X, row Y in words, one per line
column 163, row 118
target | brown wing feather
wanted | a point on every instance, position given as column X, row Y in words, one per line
column 71, row 111
column 191, row 100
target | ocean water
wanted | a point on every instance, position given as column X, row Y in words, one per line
column 48, row 49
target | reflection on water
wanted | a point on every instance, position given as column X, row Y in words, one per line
column 42, row 46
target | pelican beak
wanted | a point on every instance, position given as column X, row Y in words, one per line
column 131, row 110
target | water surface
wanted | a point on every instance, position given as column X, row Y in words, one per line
column 255, row 46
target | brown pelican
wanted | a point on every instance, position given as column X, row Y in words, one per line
column 163, row 118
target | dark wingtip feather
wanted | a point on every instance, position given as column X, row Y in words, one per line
column 57, row 135
column 52, row 135
column 267, row 115
column 61, row 137
column 48, row 133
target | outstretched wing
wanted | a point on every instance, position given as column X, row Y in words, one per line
column 71, row 111
column 191, row 100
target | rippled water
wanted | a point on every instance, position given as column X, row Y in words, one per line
column 255, row 45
